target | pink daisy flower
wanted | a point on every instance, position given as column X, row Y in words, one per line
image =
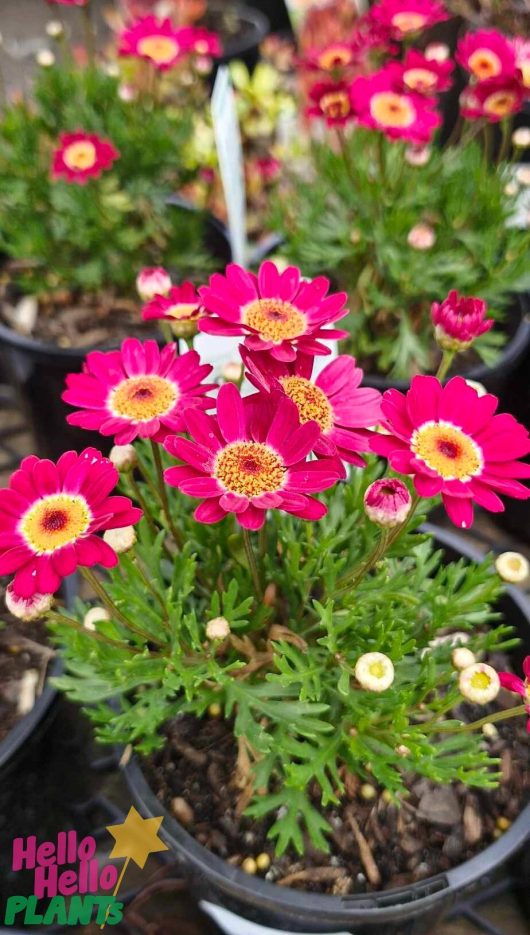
column 276, row 312
column 155, row 40
column 486, row 54
column 181, row 307
column 381, row 104
column 82, row 156
column 403, row 17
column 334, row 57
column 331, row 100
column 201, row 42
column 450, row 439
column 426, row 75
column 521, row 49
column 49, row 515
column 249, row 459
column 459, row 320
column 492, row 100
column 334, row 400
column 518, row 685
column 137, row 391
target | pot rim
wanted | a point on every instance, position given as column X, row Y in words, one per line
column 319, row 909
column 260, row 28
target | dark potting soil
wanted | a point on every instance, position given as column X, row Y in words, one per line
column 22, row 648
column 374, row 844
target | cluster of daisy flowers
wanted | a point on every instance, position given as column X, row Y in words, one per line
column 499, row 70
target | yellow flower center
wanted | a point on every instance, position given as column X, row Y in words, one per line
column 447, row 450
column 140, row 399
column 525, row 72
column 392, row 110
column 160, row 49
column 183, row 310
column 55, row 521
column 335, row 104
column 484, row 64
column 409, row 22
column 274, row 319
column 80, row 155
column 249, row 469
column 419, row 79
column 501, row 103
column 480, row 681
column 312, row 403
column 377, row 669
column 334, row 57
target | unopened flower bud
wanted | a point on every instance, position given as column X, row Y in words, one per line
column 459, row 320
column 93, row 616
column 511, row 189
column 218, row 628
column 512, row 567
column 479, row 683
column 27, row 608
column 490, row 731
column 522, row 174
column 151, row 281
column 232, row 372
column 402, row 750
column 387, row 502
column 374, row 672
column 45, row 58
column 462, row 657
column 437, row 52
column 121, row 540
column 54, row 29
column 123, row 457
column 417, row 155
column 270, row 595
column 421, row 237
column 127, row 93
column 521, row 137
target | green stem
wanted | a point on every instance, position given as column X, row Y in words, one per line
column 506, row 139
column 251, row 559
column 165, row 328
column 475, row 725
column 56, row 617
column 445, row 365
column 88, row 28
column 96, row 585
column 346, row 155
column 162, row 491
column 262, row 541
column 139, row 497
column 150, row 586
column 489, row 141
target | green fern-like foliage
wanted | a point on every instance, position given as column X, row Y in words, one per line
column 285, row 674
column 349, row 217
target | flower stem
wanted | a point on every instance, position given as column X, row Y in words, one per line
column 251, row 559
column 88, row 28
column 55, row 617
column 96, row 585
column 506, row 139
column 139, row 497
column 150, row 586
column 346, row 155
column 475, row 725
column 445, row 365
column 162, row 490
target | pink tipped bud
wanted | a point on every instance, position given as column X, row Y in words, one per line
column 387, row 502
column 459, row 320
column 421, row 237
column 27, row 608
column 151, row 281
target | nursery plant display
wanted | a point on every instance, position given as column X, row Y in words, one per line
column 390, row 215
column 271, row 593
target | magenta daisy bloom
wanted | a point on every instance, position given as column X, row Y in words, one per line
column 486, row 54
column 521, row 49
column 50, row 514
column 334, row 57
column 403, row 17
column 82, row 156
column 154, row 40
column 201, row 42
column 331, row 100
column 492, row 100
column 276, row 312
column 459, row 320
column 520, row 686
column 426, row 75
column 381, row 104
column 137, row 391
column 451, row 441
column 181, row 307
column 249, row 459
column 335, row 400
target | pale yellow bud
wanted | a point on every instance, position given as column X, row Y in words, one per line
column 461, row 657
column 512, row 567
column 374, row 672
column 217, row 628
column 93, row 616
column 121, row 540
column 123, row 457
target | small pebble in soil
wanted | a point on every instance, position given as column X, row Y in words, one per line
column 503, row 823
column 182, row 811
column 490, row 731
column 250, row 866
column 367, row 792
column 263, row 862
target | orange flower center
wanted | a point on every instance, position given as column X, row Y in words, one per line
column 409, row 22
column 274, row 319
column 524, row 68
column 249, row 469
column 447, row 450
column 183, row 311
column 80, row 155
column 420, row 79
column 334, row 57
column 500, row 104
column 160, row 49
column 484, row 64
column 312, row 403
column 392, row 110
column 335, row 104
column 55, row 521
column 140, row 399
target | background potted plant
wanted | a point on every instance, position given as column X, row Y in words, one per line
column 319, row 644
column 395, row 219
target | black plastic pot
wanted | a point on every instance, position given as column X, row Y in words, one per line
column 250, row 26
column 37, row 371
column 277, row 13
column 408, row 910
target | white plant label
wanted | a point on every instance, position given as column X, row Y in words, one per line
column 230, row 156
